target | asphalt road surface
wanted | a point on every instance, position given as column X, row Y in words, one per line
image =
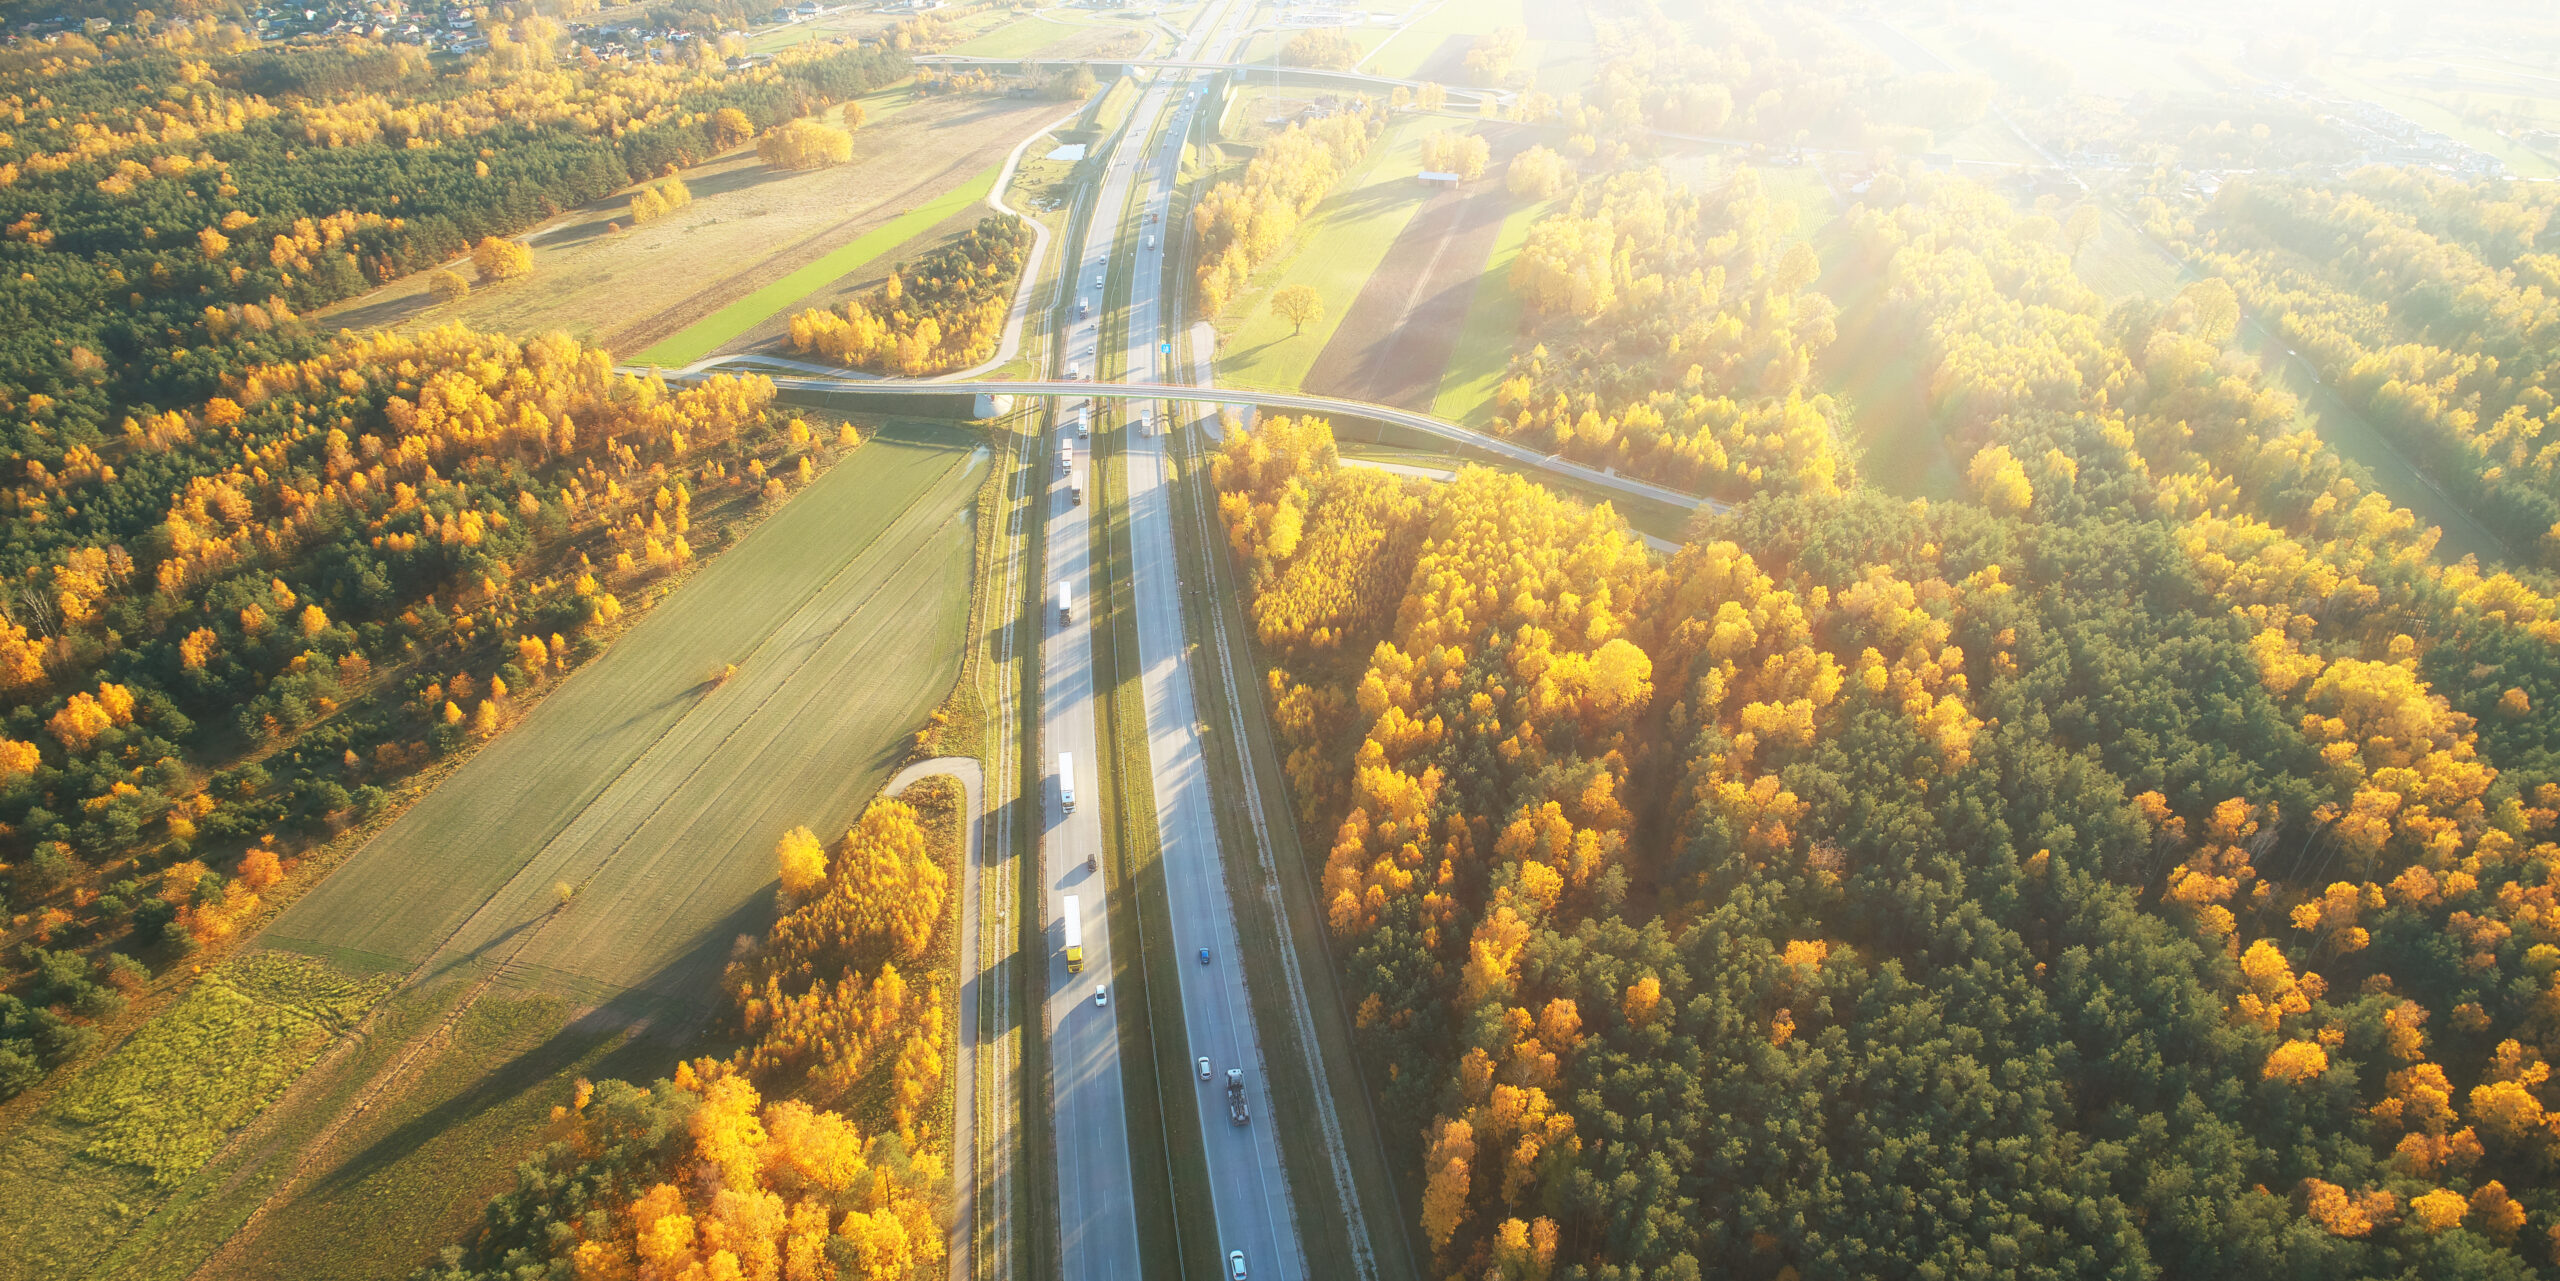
column 1247, row 1187
column 1097, row 1221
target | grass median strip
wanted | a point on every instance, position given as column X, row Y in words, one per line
column 709, row 334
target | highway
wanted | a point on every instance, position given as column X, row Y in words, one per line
column 1097, row 1225
column 1347, row 79
column 1097, row 1219
column 818, row 378
column 1249, row 1192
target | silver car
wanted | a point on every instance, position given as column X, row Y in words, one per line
column 1235, row 1265
column 1204, row 1069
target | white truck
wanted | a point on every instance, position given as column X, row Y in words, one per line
column 1067, row 781
column 1066, row 605
column 1075, row 935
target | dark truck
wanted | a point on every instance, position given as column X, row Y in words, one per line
column 1236, row 1110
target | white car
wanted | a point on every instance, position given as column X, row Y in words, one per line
column 1204, row 1069
column 1101, row 994
column 1235, row 1265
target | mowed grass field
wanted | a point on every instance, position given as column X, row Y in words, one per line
column 1338, row 249
column 1492, row 329
column 749, row 227
column 656, row 792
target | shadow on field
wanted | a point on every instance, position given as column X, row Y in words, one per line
column 383, row 314
column 481, row 952
column 666, row 1013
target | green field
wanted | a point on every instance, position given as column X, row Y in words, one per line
column 1492, row 328
column 1017, row 39
column 1338, row 249
column 1405, row 53
column 148, row 1117
column 658, row 793
column 721, row 327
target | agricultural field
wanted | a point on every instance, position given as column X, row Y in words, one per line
column 649, row 785
column 1338, row 253
column 1409, row 53
column 625, row 783
column 1491, row 330
column 151, row 1114
column 750, row 226
column 1397, row 337
column 847, row 270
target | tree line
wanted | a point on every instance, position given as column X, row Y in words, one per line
column 2432, row 305
column 821, row 1148
column 153, row 192
column 1241, row 225
column 942, row 313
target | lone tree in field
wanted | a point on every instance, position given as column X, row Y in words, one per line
column 2082, row 224
column 448, row 286
column 499, row 259
column 1300, row 305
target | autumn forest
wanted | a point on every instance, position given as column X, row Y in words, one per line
column 1952, row 671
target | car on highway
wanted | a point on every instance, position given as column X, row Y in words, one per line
column 1151, row 242
column 1235, row 1265
column 1204, row 956
column 1204, row 1069
column 1101, row 994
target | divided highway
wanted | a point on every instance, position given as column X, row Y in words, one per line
column 1096, row 1200
column 1249, row 1192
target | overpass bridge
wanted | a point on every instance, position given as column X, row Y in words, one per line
column 1268, row 72
column 974, row 398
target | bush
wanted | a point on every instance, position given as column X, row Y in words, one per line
column 152, row 918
